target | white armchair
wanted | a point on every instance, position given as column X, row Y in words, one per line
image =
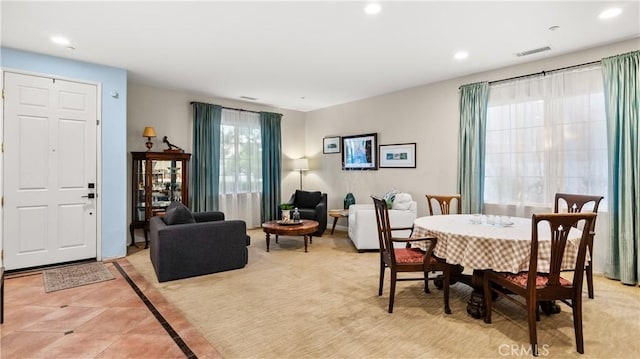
column 363, row 230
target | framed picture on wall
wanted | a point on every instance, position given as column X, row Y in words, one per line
column 359, row 152
column 331, row 144
column 402, row 155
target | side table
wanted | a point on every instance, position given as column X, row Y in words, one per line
column 337, row 214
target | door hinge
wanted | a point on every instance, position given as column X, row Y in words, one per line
column 3, row 94
column 2, row 204
column 2, row 147
column 98, row 122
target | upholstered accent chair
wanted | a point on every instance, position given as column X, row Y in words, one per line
column 185, row 244
column 575, row 203
column 311, row 205
column 532, row 286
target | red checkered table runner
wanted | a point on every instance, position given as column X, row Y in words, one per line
column 496, row 247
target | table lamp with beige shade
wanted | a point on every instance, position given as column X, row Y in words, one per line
column 148, row 133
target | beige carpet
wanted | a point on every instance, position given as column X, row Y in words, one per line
column 75, row 276
column 324, row 304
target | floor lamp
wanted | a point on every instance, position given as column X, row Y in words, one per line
column 301, row 164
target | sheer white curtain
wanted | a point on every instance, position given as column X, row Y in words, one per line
column 545, row 135
column 240, row 166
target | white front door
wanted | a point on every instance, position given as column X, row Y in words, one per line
column 50, row 128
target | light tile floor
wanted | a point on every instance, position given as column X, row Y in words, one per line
column 102, row 320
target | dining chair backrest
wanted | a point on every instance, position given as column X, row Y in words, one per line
column 444, row 202
column 576, row 203
column 559, row 226
column 384, row 226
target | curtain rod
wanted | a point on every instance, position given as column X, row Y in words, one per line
column 542, row 72
column 231, row 108
column 545, row 72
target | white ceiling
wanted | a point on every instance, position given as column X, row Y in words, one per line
column 306, row 55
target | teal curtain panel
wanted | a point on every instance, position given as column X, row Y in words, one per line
column 622, row 92
column 471, row 142
column 271, row 165
column 205, row 162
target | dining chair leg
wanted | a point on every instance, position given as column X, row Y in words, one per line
column 589, row 271
column 426, row 282
column 576, row 304
column 532, row 307
column 382, row 269
column 392, row 291
column 447, row 276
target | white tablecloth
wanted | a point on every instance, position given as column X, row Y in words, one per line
column 484, row 246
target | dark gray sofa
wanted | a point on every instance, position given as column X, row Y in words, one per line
column 209, row 245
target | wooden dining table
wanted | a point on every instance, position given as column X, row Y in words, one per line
column 496, row 243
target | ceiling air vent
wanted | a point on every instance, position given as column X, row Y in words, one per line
column 248, row 98
column 534, row 51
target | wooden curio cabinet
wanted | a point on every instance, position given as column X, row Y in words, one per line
column 158, row 178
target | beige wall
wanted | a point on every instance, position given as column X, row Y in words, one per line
column 170, row 113
column 427, row 115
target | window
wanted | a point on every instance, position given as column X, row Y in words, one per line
column 546, row 135
column 240, row 166
column 241, row 152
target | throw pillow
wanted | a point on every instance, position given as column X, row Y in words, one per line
column 306, row 199
column 390, row 196
column 402, row 201
column 178, row 213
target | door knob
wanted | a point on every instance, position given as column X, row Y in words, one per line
column 90, row 195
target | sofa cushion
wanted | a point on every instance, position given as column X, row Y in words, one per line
column 306, row 199
column 402, row 201
column 178, row 213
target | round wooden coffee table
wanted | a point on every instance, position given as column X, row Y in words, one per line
column 305, row 228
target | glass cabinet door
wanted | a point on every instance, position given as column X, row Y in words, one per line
column 140, row 193
column 166, row 184
column 158, row 178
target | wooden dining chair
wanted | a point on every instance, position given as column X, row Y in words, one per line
column 444, row 202
column 575, row 203
column 534, row 287
column 406, row 259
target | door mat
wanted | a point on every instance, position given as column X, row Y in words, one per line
column 74, row 276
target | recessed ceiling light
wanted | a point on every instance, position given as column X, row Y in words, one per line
column 461, row 55
column 554, row 28
column 60, row 40
column 372, row 8
column 610, row 13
